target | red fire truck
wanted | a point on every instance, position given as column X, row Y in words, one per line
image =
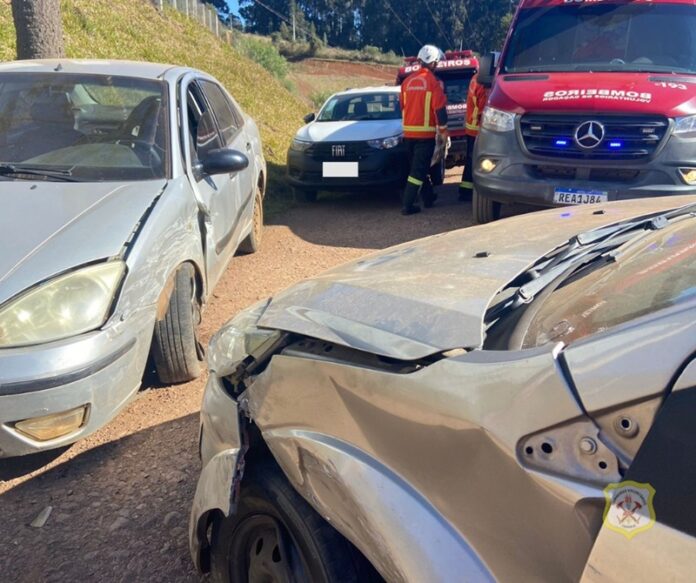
column 591, row 101
column 455, row 72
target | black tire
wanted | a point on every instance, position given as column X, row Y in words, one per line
column 485, row 210
column 275, row 535
column 253, row 241
column 175, row 349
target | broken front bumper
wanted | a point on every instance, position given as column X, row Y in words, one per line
column 220, row 445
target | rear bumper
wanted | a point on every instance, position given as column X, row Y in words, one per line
column 378, row 169
column 522, row 178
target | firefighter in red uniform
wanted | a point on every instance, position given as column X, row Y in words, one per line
column 424, row 110
column 476, row 100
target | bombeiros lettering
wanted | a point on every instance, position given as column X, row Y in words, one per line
column 608, row 94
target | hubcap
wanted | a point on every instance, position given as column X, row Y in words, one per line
column 262, row 551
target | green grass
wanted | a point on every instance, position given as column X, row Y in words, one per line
column 134, row 29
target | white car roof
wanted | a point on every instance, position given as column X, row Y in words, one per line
column 90, row 66
column 368, row 90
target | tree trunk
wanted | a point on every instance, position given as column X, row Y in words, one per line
column 39, row 29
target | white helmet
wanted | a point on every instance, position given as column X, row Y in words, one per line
column 430, row 54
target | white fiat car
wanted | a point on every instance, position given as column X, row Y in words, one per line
column 355, row 141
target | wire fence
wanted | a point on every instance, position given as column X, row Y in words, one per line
column 205, row 14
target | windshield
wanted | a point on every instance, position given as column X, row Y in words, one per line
column 456, row 90
column 655, row 272
column 604, row 37
column 94, row 127
column 363, row 107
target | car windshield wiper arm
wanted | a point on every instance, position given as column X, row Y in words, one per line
column 579, row 252
column 19, row 169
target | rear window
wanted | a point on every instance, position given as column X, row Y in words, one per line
column 604, row 37
column 365, row 107
column 654, row 273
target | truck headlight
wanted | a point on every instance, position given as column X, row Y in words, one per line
column 300, row 145
column 385, row 143
column 238, row 339
column 685, row 125
column 498, row 120
column 66, row 306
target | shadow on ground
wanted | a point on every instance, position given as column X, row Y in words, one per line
column 371, row 220
column 115, row 508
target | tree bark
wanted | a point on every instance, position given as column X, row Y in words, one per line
column 39, row 29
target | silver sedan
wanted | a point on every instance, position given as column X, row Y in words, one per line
column 126, row 189
column 512, row 402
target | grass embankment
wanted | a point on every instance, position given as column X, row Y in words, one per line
column 134, row 29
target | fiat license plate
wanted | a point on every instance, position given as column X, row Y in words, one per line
column 577, row 196
column 340, row 170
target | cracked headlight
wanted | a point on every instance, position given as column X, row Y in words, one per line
column 498, row 120
column 685, row 125
column 385, row 143
column 65, row 306
column 238, row 339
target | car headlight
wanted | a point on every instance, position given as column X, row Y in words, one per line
column 238, row 339
column 498, row 120
column 386, row 143
column 66, row 306
column 300, row 145
column 685, row 125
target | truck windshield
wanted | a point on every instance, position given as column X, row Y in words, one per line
column 457, row 89
column 362, row 107
column 604, row 37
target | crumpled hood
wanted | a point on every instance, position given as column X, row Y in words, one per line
column 47, row 228
column 642, row 93
column 429, row 296
column 349, row 131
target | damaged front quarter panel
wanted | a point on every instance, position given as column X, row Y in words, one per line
column 419, row 466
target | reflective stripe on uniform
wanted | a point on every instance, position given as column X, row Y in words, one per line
column 417, row 129
column 464, row 184
column 415, row 181
column 428, row 101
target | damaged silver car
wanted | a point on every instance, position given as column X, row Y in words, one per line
column 512, row 402
column 126, row 189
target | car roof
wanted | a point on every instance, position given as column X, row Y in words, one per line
column 91, row 67
column 369, row 90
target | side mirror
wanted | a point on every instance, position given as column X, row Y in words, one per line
column 310, row 117
column 487, row 68
column 223, row 161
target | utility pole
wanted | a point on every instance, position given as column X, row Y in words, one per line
column 294, row 32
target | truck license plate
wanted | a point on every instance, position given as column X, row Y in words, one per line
column 340, row 170
column 577, row 196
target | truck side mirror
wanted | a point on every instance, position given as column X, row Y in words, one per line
column 310, row 117
column 487, row 67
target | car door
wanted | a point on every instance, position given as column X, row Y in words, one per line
column 638, row 384
column 218, row 195
column 234, row 136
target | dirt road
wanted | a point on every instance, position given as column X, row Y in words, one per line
column 120, row 499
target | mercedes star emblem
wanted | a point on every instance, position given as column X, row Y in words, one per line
column 589, row 134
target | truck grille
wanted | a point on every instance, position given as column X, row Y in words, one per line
column 625, row 137
column 340, row 151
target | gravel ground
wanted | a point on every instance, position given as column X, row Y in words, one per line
column 120, row 499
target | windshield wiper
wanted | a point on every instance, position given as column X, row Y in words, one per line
column 19, row 170
column 580, row 251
